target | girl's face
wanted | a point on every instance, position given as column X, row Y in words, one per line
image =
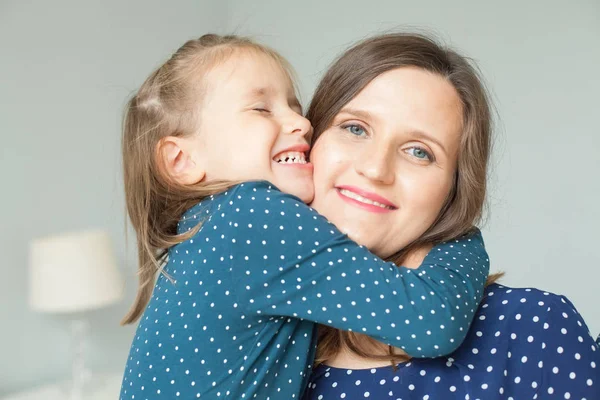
column 386, row 165
column 251, row 127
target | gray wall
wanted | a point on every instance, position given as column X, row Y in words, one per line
column 67, row 69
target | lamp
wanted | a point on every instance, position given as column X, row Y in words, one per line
column 74, row 273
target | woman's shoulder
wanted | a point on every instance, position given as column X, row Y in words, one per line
column 541, row 334
column 530, row 310
column 509, row 300
column 527, row 295
column 531, row 324
column 524, row 298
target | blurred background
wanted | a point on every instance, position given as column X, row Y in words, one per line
column 68, row 66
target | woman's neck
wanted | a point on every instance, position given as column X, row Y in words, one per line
column 348, row 360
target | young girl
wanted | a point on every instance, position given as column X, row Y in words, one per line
column 249, row 269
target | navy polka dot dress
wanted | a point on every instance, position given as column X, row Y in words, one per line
column 523, row 344
column 236, row 316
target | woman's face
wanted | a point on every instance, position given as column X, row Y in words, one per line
column 385, row 166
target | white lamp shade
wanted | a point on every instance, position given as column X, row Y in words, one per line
column 73, row 272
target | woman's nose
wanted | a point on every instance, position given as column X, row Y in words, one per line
column 375, row 163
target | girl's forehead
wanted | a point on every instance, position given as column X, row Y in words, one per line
column 251, row 73
column 248, row 62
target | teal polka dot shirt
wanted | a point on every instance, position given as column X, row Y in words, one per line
column 236, row 315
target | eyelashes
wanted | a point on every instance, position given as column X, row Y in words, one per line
column 354, row 129
column 419, row 153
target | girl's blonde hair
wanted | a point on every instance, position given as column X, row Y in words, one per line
column 167, row 104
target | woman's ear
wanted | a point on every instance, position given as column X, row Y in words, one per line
column 178, row 158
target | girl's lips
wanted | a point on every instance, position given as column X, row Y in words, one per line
column 302, row 148
column 307, row 166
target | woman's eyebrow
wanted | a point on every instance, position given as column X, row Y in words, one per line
column 363, row 114
column 427, row 137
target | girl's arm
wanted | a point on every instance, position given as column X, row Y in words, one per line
column 288, row 260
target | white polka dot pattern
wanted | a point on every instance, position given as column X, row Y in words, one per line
column 528, row 345
column 237, row 317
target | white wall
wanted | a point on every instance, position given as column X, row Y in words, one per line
column 540, row 59
column 68, row 66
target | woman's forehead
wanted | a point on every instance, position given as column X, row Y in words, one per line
column 408, row 98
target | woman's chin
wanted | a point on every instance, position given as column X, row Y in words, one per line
column 359, row 235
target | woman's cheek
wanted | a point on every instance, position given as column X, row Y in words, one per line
column 327, row 156
column 424, row 189
column 433, row 194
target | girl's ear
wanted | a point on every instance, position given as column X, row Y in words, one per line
column 177, row 157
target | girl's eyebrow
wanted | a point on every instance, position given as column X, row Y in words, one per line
column 258, row 92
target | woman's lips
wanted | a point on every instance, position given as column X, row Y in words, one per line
column 366, row 200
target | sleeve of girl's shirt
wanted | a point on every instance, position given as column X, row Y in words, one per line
column 288, row 260
column 571, row 357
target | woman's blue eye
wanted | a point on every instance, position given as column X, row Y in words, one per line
column 419, row 153
column 355, row 129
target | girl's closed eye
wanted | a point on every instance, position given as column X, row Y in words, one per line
column 420, row 153
column 261, row 109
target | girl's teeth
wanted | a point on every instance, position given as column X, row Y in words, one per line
column 291, row 157
column 357, row 197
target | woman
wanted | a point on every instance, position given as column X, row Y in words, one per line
column 400, row 120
